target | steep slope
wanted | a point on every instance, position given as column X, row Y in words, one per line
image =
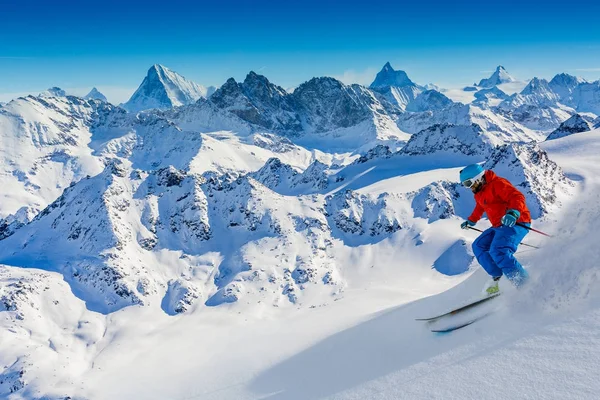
column 163, row 88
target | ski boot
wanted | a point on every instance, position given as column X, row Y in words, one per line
column 491, row 287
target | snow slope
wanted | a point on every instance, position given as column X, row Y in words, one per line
column 542, row 343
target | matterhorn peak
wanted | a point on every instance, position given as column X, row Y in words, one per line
column 163, row 88
column 499, row 76
column 95, row 94
column 388, row 76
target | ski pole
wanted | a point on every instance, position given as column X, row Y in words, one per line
column 534, row 230
column 524, row 244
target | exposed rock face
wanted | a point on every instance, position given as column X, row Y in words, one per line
column 259, row 102
column 323, row 109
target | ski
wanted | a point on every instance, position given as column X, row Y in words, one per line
column 463, row 308
column 457, row 327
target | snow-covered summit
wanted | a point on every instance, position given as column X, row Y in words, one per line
column 163, row 88
column 498, row 77
column 388, row 76
column 95, row 94
column 395, row 86
column 564, row 85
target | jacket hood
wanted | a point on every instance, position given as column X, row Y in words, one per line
column 490, row 175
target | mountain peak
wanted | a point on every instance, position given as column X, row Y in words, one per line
column 499, row 76
column 389, row 77
column 95, row 94
column 536, row 85
column 163, row 88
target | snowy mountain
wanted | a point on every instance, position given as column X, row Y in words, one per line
column 312, row 226
column 395, row 86
column 489, row 120
column 537, row 107
column 95, row 94
column 44, row 149
column 259, row 102
column 564, row 86
column 536, row 93
column 499, row 76
column 575, row 124
column 163, row 88
column 320, row 112
column 586, row 97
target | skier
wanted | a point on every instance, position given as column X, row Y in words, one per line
column 507, row 212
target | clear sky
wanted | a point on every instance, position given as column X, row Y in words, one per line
column 111, row 44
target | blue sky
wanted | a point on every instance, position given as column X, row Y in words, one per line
column 111, row 44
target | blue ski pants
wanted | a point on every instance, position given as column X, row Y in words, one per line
column 495, row 250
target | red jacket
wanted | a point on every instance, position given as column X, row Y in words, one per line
column 496, row 197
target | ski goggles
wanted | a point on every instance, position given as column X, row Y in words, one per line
column 468, row 183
